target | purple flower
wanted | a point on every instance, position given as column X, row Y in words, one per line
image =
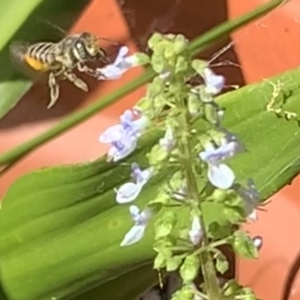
column 141, row 176
column 133, row 122
column 121, row 65
column 141, row 220
column 219, row 174
column 123, row 137
column 129, row 191
column 121, row 148
column 214, row 83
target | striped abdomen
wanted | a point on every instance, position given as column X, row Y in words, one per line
column 41, row 56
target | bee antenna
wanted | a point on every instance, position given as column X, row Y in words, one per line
column 109, row 40
column 53, row 26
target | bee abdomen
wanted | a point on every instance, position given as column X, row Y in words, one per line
column 43, row 52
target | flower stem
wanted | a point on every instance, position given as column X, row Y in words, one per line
column 207, row 265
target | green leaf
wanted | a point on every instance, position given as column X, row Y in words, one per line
column 165, row 224
column 125, row 286
column 190, row 268
column 81, row 249
column 51, row 219
column 174, row 262
column 243, row 245
column 272, row 156
column 26, row 21
column 222, row 264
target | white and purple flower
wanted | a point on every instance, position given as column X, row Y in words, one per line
column 137, row 231
column 123, row 137
column 213, row 83
column 129, row 191
column 121, row 65
column 219, row 174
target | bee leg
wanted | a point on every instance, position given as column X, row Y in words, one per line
column 85, row 69
column 54, row 90
column 77, row 81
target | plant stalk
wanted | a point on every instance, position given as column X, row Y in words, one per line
column 207, row 265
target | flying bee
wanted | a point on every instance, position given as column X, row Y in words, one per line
column 59, row 60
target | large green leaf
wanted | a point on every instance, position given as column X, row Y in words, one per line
column 60, row 228
column 28, row 21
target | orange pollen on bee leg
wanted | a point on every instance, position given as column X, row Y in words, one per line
column 36, row 64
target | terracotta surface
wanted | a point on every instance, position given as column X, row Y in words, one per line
column 264, row 48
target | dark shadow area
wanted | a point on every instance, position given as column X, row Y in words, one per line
column 291, row 278
column 2, row 293
column 189, row 17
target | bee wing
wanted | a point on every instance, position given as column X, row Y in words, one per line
column 18, row 50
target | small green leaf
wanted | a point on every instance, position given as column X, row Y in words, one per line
column 231, row 288
column 158, row 63
column 174, row 262
column 234, row 214
column 185, row 293
column 165, row 224
column 190, row 268
column 180, row 44
column 159, row 262
column 156, row 155
column 156, row 87
column 199, row 66
column 194, row 105
column 218, row 231
column 243, row 245
column 181, row 65
column 248, row 294
column 154, row 40
column 222, row 264
column 142, row 58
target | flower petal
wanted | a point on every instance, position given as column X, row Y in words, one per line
column 214, row 83
column 258, row 242
column 196, row 232
column 125, row 147
column 123, row 51
column 253, row 216
column 134, row 211
column 134, row 235
column 128, row 192
column 110, row 72
column 126, row 117
column 141, row 176
column 221, row 176
column 111, row 134
column 209, row 151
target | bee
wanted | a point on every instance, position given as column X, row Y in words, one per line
column 59, row 60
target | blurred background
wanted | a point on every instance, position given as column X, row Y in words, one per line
column 263, row 48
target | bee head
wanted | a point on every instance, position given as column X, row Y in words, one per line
column 88, row 48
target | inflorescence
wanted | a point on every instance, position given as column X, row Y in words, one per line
column 193, row 149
